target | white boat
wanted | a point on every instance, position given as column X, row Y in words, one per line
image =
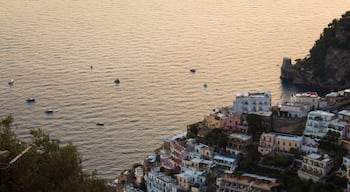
column 11, row 82
column 48, row 111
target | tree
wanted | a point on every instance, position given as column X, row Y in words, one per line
column 47, row 166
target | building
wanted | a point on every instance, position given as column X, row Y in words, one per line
column 216, row 119
column 344, row 115
column 236, row 123
column 197, row 164
column 333, row 98
column 159, row 182
column 252, row 102
column 294, row 110
column 191, row 180
column 287, row 142
column 204, row 151
column 246, row 182
column 225, row 162
column 266, row 143
column 237, row 142
column 309, row 145
column 317, row 123
column 311, row 99
column 315, row 167
column 338, row 126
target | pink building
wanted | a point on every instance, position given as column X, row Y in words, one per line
column 236, row 123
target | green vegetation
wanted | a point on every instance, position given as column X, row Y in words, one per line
column 216, row 138
column 256, row 126
column 330, row 144
column 329, row 38
column 192, row 130
column 46, row 167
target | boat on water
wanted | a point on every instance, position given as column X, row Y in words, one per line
column 100, row 124
column 192, row 70
column 117, row 81
column 205, row 85
column 48, row 111
column 11, row 82
column 30, row 100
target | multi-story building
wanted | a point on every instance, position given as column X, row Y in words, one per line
column 237, row 142
column 344, row 115
column 309, row 98
column 191, row 180
column 204, row 151
column 338, row 126
column 309, row 145
column 294, row 110
column 317, row 123
column 315, row 167
column 246, row 182
column 216, row 119
column 159, row 182
column 197, row 164
column 266, row 143
column 287, row 142
column 225, row 162
column 236, row 123
column 252, row 102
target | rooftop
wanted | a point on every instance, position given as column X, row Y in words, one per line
column 321, row 113
column 224, row 158
column 190, row 174
column 344, row 112
column 240, row 136
column 319, row 157
column 307, row 94
column 290, row 138
column 265, row 94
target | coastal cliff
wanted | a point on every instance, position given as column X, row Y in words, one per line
column 328, row 63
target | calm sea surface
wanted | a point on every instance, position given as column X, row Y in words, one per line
column 48, row 46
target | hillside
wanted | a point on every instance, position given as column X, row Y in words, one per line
column 328, row 63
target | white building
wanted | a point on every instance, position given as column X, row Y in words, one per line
column 159, row 182
column 294, row 110
column 252, row 102
column 309, row 98
column 309, row 145
column 224, row 162
column 315, row 167
column 339, row 126
column 317, row 123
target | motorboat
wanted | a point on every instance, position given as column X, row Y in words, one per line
column 48, row 111
column 11, row 82
column 30, row 100
column 192, row 70
column 100, row 124
column 117, row 81
column 205, row 85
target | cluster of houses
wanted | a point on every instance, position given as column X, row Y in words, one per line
column 295, row 126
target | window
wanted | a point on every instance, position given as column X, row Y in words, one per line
column 284, row 143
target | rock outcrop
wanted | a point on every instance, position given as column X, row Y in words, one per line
column 328, row 64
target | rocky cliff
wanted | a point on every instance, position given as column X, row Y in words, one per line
column 328, row 64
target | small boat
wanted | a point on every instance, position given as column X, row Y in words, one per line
column 192, row 70
column 117, row 81
column 30, row 100
column 100, row 124
column 48, row 111
column 205, row 85
column 11, row 82
column 91, row 67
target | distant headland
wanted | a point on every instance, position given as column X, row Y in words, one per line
column 328, row 63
